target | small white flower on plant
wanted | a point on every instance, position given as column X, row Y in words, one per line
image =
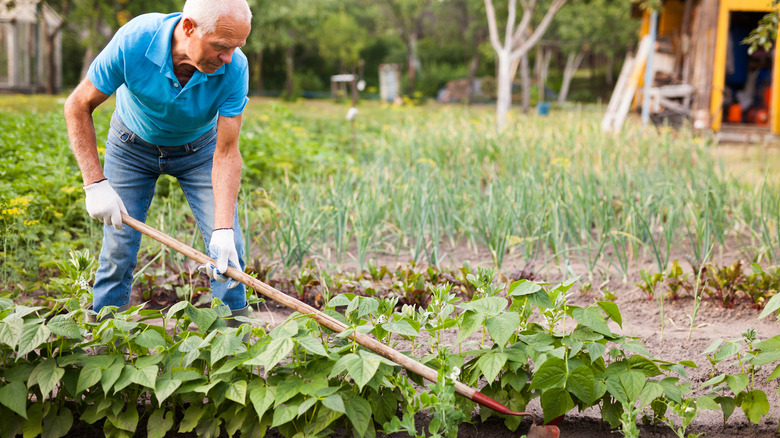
column 455, row 373
column 352, row 113
column 382, row 319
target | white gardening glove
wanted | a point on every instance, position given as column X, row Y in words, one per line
column 222, row 248
column 104, row 204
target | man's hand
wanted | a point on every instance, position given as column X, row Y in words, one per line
column 104, row 204
column 222, row 248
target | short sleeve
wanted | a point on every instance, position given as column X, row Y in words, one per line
column 107, row 70
column 235, row 103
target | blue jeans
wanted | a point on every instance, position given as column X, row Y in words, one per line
column 132, row 167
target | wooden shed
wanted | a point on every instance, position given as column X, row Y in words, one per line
column 702, row 70
column 30, row 47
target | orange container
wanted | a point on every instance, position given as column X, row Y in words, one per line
column 735, row 113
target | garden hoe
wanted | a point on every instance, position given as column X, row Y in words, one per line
column 537, row 431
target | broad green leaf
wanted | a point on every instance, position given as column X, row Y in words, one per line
column 775, row 374
column 306, row 405
column 111, row 375
column 362, row 370
column 636, row 347
column 277, row 350
column 164, row 386
column 127, row 419
column 191, row 417
column 176, row 308
column 312, row 345
column 551, row 374
column 262, row 398
column 237, row 392
column 772, row 306
column 632, row 383
column 737, row 382
column 754, row 404
column 225, row 345
column 46, row 375
column 541, row 299
column 523, row 287
column 502, row 327
column 160, row 422
column 150, row 339
column 582, row 384
column 650, row 392
column 11, row 330
column 322, row 420
column 644, row 365
column 727, row 350
column 63, row 325
column 367, row 306
column 401, row 327
column 284, row 414
column 14, row 397
column 33, row 335
column 192, row 343
column 146, row 376
column 591, row 317
column 57, row 425
column 555, row 402
column 358, row 411
column 341, row 365
column 612, row 311
column 727, row 405
column 491, row 364
column 490, row 306
column 89, row 376
column 470, row 321
column 340, row 300
column 672, row 390
column 287, row 389
column 203, row 318
column 595, row 350
column 707, row 402
column 335, row 403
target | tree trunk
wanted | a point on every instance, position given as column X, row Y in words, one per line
column 473, row 66
column 288, row 64
column 610, row 77
column 572, row 64
column 504, row 92
column 411, row 59
column 525, row 77
column 542, row 68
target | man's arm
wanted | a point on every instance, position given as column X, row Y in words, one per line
column 81, row 129
column 226, row 172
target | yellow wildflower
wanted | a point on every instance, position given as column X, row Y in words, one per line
column 11, row 211
column 32, row 222
column 264, row 118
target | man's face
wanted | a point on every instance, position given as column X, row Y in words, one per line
column 211, row 51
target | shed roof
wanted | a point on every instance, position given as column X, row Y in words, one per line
column 24, row 11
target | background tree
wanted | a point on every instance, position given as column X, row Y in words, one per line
column 518, row 40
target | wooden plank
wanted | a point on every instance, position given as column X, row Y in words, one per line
column 631, row 86
column 614, row 100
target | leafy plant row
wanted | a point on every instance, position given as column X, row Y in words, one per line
column 523, row 339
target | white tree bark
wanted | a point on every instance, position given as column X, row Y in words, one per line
column 517, row 42
column 573, row 62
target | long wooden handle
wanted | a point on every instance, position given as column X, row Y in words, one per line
column 327, row 321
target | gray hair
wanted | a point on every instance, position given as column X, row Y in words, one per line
column 206, row 13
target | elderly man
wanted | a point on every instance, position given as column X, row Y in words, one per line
column 181, row 86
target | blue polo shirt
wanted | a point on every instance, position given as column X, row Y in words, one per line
column 137, row 65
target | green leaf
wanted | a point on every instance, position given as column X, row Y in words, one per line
column 650, row 392
column 707, row 402
column 362, row 370
column 754, row 404
column 551, row 374
column 627, row 386
column 160, row 422
column 237, row 392
column 150, row 339
column 164, row 386
column 33, row 335
column 191, row 417
column 582, row 384
column 591, row 318
column 225, row 345
column 262, row 398
column 523, row 287
column 595, row 350
column 490, row 306
column 176, row 308
column 284, row 414
column 772, row 306
column 63, row 325
column 555, row 402
column 737, row 382
column 312, row 345
column 401, row 327
column 322, row 420
column 775, row 374
column 277, row 350
column 727, row 405
column 56, row 426
column 470, row 321
column 14, row 397
column 335, row 403
column 612, row 311
column 502, row 327
column 146, row 376
column 89, row 376
column 126, row 419
column 203, row 318
column 46, row 375
column 111, row 375
column 11, row 330
column 358, row 411
column 491, row 364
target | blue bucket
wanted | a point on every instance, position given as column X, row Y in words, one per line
column 543, row 108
